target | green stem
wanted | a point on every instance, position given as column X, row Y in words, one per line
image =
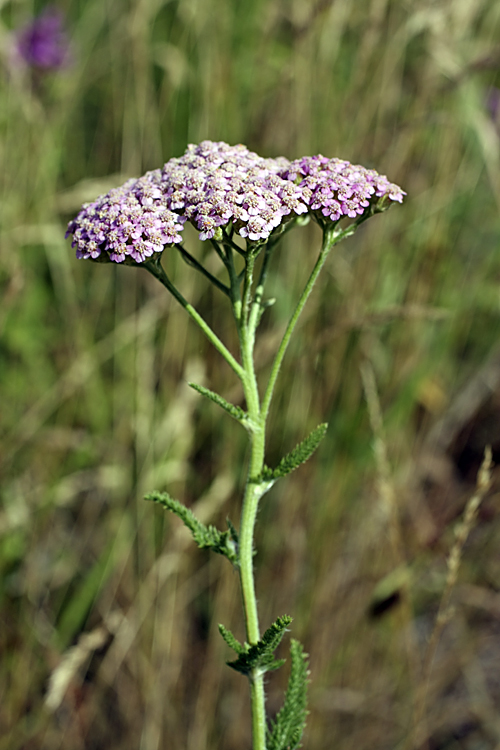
column 247, row 322
column 227, row 241
column 247, row 293
column 253, row 493
column 157, row 270
column 257, row 412
column 217, row 249
column 330, row 238
column 257, row 308
column 188, row 258
column 234, row 285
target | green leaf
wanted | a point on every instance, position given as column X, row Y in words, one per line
column 232, row 531
column 234, row 411
column 260, row 656
column 298, row 455
column 223, row 542
column 231, row 641
column 285, row 733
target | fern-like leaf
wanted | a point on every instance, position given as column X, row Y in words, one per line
column 223, row 542
column 260, row 656
column 234, row 411
column 285, row 733
column 298, row 455
column 232, row 531
column 231, row 641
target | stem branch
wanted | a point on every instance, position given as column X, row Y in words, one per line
column 330, row 238
column 157, row 270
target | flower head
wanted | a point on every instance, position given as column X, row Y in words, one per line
column 216, row 186
column 334, row 188
column 43, row 43
column 129, row 224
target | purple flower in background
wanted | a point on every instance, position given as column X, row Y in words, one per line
column 43, row 43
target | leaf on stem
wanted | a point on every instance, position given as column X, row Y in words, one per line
column 299, row 455
column 285, row 732
column 223, row 542
column 260, row 656
column 231, row 641
column 234, row 411
column 232, row 531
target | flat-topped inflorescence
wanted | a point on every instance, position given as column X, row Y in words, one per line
column 130, row 224
column 215, row 186
column 334, row 188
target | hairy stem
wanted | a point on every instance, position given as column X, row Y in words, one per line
column 253, row 493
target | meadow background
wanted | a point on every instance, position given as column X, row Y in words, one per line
column 106, row 589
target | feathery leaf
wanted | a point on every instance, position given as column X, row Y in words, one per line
column 223, row 542
column 234, row 411
column 298, row 455
column 231, row 641
column 260, row 656
column 285, row 732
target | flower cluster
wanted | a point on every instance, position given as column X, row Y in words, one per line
column 129, row 224
column 214, row 185
column 335, row 188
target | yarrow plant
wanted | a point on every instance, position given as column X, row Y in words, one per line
column 242, row 204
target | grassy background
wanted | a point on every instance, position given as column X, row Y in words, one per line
column 95, row 410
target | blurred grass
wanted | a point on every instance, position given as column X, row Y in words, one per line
column 94, row 363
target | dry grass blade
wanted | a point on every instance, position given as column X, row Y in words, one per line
column 75, row 657
column 446, row 609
